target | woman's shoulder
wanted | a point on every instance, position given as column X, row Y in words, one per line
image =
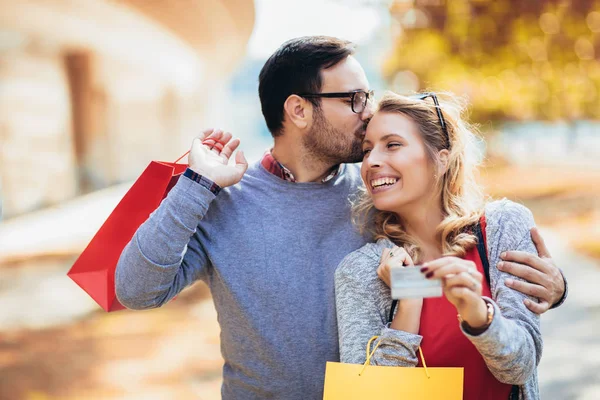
column 363, row 259
column 508, row 215
column 507, row 223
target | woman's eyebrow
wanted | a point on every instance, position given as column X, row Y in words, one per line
column 385, row 137
column 389, row 135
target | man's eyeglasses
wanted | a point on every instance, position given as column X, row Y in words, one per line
column 423, row 96
column 358, row 98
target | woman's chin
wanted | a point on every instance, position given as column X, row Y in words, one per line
column 386, row 206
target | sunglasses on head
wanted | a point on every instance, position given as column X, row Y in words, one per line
column 423, row 96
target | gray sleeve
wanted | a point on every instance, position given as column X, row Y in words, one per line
column 512, row 345
column 165, row 256
column 362, row 304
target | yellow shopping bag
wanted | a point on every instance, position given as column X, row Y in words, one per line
column 355, row 381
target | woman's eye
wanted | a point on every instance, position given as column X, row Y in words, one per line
column 366, row 151
column 394, row 144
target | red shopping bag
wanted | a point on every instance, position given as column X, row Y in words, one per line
column 94, row 270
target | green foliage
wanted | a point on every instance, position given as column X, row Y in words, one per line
column 515, row 60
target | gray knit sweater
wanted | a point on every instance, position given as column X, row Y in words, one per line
column 511, row 346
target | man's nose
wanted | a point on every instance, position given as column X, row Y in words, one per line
column 367, row 112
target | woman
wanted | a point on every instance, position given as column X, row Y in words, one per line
column 424, row 206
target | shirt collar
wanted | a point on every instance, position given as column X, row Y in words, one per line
column 279, row 170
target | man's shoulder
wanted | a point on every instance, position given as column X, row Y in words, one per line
column 252, row 176
column 352, row 170
column 350, row 176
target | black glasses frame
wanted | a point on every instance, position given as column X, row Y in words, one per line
column 341, row 95
column 423, row 96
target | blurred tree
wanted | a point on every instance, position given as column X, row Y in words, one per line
column 515, row 60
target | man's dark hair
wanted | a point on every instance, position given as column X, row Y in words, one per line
column 296, row 68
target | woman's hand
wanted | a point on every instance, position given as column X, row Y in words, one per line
column 462, row 285
column 395, row 257
column 408, row 314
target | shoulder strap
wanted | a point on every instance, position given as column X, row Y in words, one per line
column 514, row 393
column 391, row 316
column 481, row 249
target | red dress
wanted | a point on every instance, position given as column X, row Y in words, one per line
column 444, row 344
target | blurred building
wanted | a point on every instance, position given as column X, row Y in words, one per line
column 91, row 90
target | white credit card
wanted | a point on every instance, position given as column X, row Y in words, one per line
column 410, row 282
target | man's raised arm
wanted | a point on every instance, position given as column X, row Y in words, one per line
column 165, row 256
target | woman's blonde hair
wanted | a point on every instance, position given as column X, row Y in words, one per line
column 462, row 199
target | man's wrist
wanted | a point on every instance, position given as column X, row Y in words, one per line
column 202, row 180
column 565, row 292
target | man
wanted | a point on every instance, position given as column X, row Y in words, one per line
column 267, row 240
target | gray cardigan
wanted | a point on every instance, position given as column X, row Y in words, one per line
column 511, row 346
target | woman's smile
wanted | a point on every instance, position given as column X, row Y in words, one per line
column 383, row 183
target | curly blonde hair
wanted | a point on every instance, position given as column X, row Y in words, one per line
column 462, row 199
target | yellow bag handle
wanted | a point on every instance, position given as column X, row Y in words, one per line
column 369, row 355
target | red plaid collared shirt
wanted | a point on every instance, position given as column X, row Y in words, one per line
column 276, row 168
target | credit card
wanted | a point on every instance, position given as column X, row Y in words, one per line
column 410, row 282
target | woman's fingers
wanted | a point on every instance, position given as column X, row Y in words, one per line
column 401, row 256
column 465, row 280
column 451, row 266
column 394, row 257
column 440, row 262
column 384, row 273
column 459, row 294
column 384, row 269
column 385, row 254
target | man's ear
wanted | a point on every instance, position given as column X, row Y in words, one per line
column 298, row 111
column 443, row 159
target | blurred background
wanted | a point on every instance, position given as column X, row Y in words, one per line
column 92, row 90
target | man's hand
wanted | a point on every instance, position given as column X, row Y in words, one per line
column 543, row 277
column 210, row 155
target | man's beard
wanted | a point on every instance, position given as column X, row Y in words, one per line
column 329, row 145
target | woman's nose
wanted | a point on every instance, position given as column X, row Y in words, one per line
column 373, row 160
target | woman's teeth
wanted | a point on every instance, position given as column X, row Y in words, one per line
column 375, row 183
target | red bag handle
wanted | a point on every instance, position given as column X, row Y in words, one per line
column 186, row 153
